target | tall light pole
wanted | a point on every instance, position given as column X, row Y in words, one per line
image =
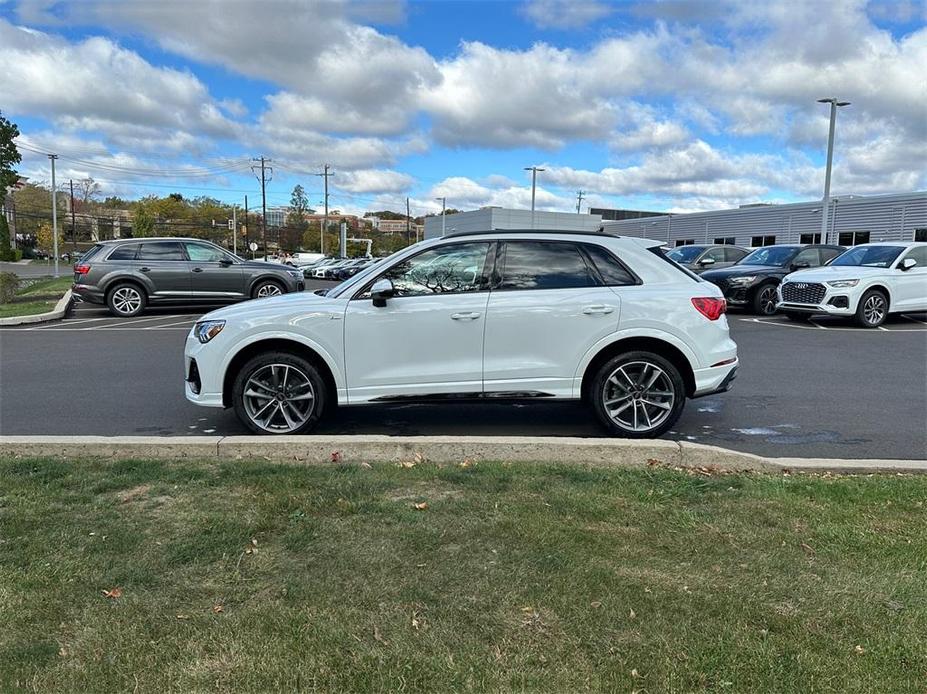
column 830, row 160
column 534, row 181
column 52, row 157
column 443, row 215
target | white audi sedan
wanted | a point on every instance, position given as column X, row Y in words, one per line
column 867, row 282
column 476, row 316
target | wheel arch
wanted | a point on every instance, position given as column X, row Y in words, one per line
column 277, row 344
column 255, row 281
column 665, row 349
column 125, row 279
column 878, row 286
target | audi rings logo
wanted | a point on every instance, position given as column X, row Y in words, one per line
column 799, row 285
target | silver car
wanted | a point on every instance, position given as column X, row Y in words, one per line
column 129, row 274
column 698, row 258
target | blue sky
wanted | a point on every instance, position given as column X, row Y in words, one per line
column 669, row 105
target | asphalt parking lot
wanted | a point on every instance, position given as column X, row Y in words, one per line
column 822, row 389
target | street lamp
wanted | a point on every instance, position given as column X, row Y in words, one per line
column 534, row 180
column 443, row 215
column 830, row 160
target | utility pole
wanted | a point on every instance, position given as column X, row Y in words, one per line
column 830, row 160
column 534, row 181
column 344, row 240
column 263, row 180
column 579, row 199
column 408, row 223
column 325, row 174
column 247, row 229
column 443, row 213
column 73, row 234
column 235, row 229
column 52, row 157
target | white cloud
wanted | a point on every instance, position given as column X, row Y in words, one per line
column 564, row 14
column 373, row 181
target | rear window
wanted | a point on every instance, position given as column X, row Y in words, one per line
column 161, row 250
column 126, row 252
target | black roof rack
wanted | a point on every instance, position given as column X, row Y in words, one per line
column 584, row 232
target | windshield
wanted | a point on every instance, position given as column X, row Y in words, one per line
column 770, row 255
column 684, row 254
column 869, row 256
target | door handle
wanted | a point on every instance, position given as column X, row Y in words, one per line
column 597, row 309
column 465, row 316
column 197, row 269
column 146, row 269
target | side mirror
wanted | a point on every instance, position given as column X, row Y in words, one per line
column 907, row 264
column 799, row 266
column 382, row 290
column 706, row 261
column 225, row 262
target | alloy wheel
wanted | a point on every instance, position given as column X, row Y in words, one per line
column 127, row 300
column 768, row 300
column 638, row 396
column 278, row 398
column 268, row 290
column 874, row 309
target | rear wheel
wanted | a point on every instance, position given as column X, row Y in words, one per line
column 872, row 309
column 266, row 288
column 125, row 300
column 764, row 301
column 638, row 395
column 279, row 393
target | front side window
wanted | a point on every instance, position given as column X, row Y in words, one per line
column 161, row 250
column 810, row 255
column 869, row 256
column 716, row 254
column 685, row 254
column 544, row 265
column 919, row 254
column 444, row 270
column 201, row 253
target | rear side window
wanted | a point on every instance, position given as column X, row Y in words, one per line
column 126, row 252
column 613, row 273
column 544, row 265
column 90, row 253
column 734, row 254
column 161, row 250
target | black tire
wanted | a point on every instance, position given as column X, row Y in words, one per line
column 286, row 410
column 126, row 299
column 797, row 316
column 764, row 299
column 872, row 309
column 605, row 388
column 265, row 288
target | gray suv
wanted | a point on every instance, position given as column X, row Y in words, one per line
column 129, row 274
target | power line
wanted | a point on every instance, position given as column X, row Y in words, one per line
column 263, row 199
column 579, row 199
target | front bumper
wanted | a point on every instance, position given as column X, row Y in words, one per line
column 202, row 382
column 837, row 301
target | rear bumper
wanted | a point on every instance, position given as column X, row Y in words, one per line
column 715, row 379
column 88, row 293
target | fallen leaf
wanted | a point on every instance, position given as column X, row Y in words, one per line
column 336, row 456
column 405, row 464
column 254, row 542
column 808, row 549
column 647, row 590
column 114, row 593
column 634, row 673
column 183, row 616
column 596, row 605
column 653, row 461
column 421, row 507
column 632, row 614
column 377, row 637
column 859, row 650
column 218, row 608
column 366, row 465
column 465, row 464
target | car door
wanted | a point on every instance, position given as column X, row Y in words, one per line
column 428, row 338
column 164, row 265
column 547, row 307
column 909, row 287
column 214, row 274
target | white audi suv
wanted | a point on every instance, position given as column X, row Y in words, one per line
column 472, row 316
column 867, row 282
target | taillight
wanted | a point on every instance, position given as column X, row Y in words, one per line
column 709, row 306
column 81, row 269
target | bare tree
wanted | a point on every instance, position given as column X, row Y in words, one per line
column 86, row 192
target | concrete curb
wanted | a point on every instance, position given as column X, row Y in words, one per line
column 56, row 314
column 316, row 450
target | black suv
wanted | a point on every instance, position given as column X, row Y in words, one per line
column 752, row 282
column 129, row 274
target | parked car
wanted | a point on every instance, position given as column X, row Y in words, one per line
column 351, row 269
column 699, row 258
column 868, row 282
column 752, row 282
column 514, row 315
column 320, row 270
column 129, row 274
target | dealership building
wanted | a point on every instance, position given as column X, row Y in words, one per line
column 851, row 220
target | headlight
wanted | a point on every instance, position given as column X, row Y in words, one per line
column 842, row 283
column 208, row 329
column 295, row 274
column 742, row 280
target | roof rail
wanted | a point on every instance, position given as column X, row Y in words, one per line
column 584, row 232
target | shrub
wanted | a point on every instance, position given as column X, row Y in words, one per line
column 9, row 283
column 6, row 253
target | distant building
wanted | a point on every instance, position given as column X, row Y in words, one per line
column 276, row 216
column 396, row 226
column 619, row 215
column 488, row 218
column 851, row 220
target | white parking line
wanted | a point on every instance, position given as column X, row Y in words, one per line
column 52, row 326
column 147, row 319
column 168, row 325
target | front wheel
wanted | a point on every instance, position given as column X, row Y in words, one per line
column 764, row 301
column 266, row 288
column 638, row 395
column 279, row 393
column 872, row 309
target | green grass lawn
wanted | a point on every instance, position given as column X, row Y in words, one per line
column 26, row 308
column 257, row 577
column 48, row 286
